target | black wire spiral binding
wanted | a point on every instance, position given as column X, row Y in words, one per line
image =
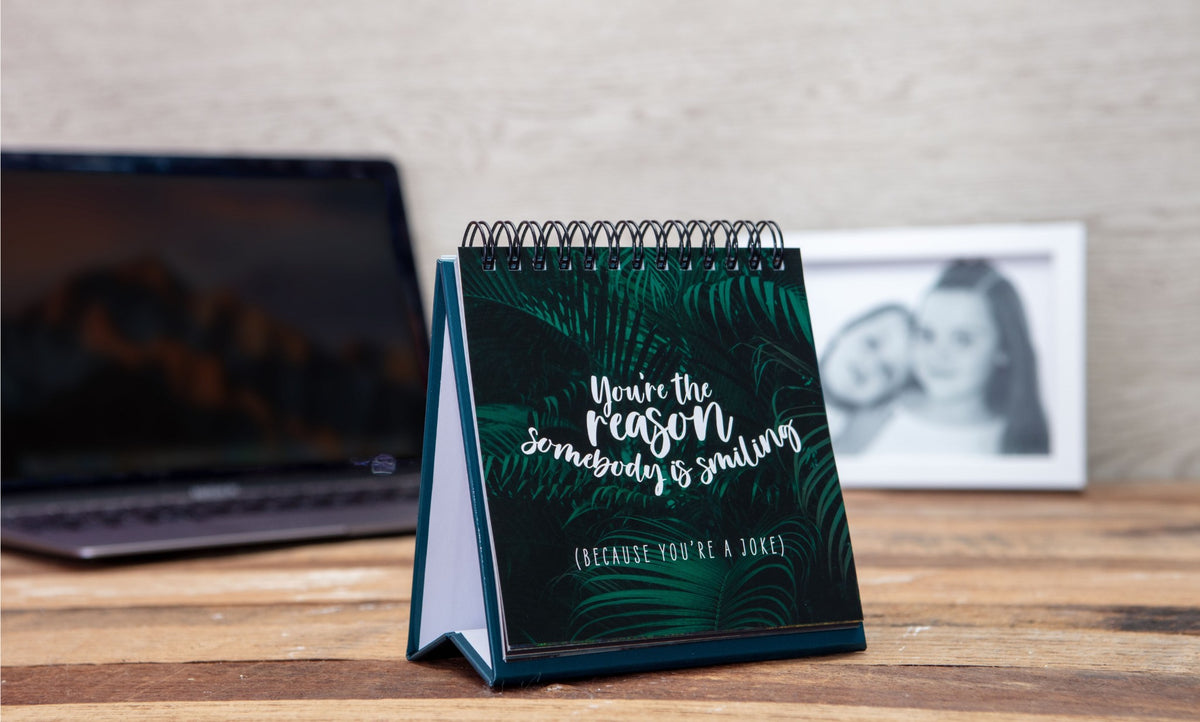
column 540, row 235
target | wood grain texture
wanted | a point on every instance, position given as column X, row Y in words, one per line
column 978, row 605
column 818, row 115
column 488, row 710
column 789, row 689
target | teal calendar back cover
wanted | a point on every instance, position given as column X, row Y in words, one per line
column 655, row 451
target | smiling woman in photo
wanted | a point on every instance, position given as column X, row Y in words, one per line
column 958, row 376
column 975, row 372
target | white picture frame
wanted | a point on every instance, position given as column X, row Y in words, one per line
column 848, row 273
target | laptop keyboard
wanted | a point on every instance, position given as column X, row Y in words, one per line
column 113, row 515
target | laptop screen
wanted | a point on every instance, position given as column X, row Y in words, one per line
column 200, row 317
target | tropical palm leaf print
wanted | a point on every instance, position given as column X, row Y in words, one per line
column 576, row 483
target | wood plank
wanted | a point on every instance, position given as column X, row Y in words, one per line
column 808, row 682
column 368, row 630
column 491, row 709
column 169, row 586
column 1046, row 584
column 971, row 541
column 1149, row 639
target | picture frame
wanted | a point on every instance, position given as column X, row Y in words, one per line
column 972, row 372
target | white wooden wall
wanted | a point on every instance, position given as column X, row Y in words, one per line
column 817, row 114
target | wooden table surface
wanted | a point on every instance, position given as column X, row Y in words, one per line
column 978, row 605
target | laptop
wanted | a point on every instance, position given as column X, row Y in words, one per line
column 204, row 352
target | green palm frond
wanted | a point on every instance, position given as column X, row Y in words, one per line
column 748, row 300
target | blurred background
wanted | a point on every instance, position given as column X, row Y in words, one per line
column 818, row 115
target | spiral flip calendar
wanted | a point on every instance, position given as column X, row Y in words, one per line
column 627, row 459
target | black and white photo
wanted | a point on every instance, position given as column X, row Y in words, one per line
column 953, row 356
